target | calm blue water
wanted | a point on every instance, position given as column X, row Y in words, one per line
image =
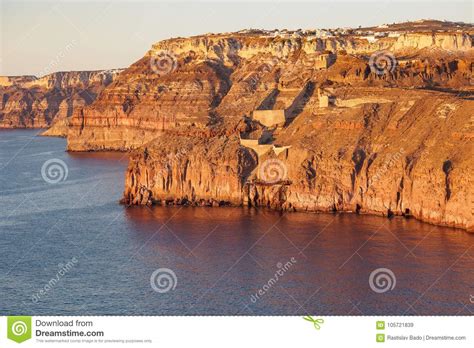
column 220, row 256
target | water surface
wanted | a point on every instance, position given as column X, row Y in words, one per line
column 221, row 257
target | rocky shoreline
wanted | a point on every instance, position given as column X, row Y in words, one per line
column 414, row 178
column 368, row 120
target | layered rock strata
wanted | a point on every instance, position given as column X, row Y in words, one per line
column 31, row 102
column 411, row 155
column 377, row 120
column 194, row 81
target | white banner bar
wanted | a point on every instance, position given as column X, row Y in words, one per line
column 364, row 331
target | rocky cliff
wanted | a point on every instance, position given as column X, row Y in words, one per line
column 193, row 81
column 378, row 120
column 409, row 154
column 28, row 101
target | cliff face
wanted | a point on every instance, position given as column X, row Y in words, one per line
column 142, row 103
column 194, row 81
column 366, row 131
column 410, row 154
column 190, row 171
column 27, row 101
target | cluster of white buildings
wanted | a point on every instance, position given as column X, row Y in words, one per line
column 369, row 35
